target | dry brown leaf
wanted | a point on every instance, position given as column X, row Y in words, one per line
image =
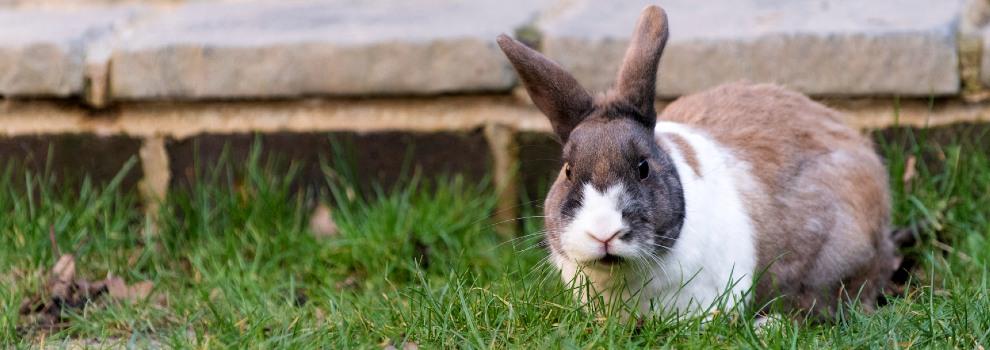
column 321, row 224
column 142, row 289
column 43, row 311
column 119, row 290
column 63, row 274
column 117, row 287
column 65, row 268
column 909, row 170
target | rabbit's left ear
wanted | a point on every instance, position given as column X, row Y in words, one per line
column 637, row 81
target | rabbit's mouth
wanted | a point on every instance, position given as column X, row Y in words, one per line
column 609, row 260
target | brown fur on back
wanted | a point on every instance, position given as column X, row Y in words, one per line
column 822, row 213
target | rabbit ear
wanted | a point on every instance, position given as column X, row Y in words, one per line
column 554, row 91
column 637, row 80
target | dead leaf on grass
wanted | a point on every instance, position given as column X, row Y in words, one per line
column 119, row 290
column 65, row 291
column 43, row 311
column 321, row 224
column 63, row 276
column 909, row 170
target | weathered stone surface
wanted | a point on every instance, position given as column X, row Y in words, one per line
column 43, row 51
column 84, row 3
column 344, row 47
column 824, row 47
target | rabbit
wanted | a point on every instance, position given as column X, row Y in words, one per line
column 739, row 195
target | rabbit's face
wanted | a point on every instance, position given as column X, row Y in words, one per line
column 617, row 198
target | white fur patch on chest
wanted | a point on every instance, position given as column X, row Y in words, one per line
column 715, row 254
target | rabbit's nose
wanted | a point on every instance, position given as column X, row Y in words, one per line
column 604, row 238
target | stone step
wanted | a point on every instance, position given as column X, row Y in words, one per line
column 821, row 47
column 346, row 47
column 274, row 49
column 43, row 52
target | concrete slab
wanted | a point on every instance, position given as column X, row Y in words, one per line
column 822, row 47
column 339, row 47
column 43, row 51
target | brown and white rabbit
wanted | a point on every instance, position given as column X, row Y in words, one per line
column 738, row 188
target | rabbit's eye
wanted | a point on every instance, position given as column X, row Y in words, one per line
column 644, row 169
column 567, row 170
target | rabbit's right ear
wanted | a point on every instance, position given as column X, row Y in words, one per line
column 637, row 82
column 554, row 91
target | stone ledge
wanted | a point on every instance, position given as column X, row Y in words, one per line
column 179, row 120
column 43, row 52
column 276, row 49
column 293, row 48
column 421, row 115
column 829, row 47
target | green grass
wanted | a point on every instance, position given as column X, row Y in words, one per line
column 234, row 265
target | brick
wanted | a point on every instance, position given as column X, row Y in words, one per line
column 378, row 157
column 70, row 158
